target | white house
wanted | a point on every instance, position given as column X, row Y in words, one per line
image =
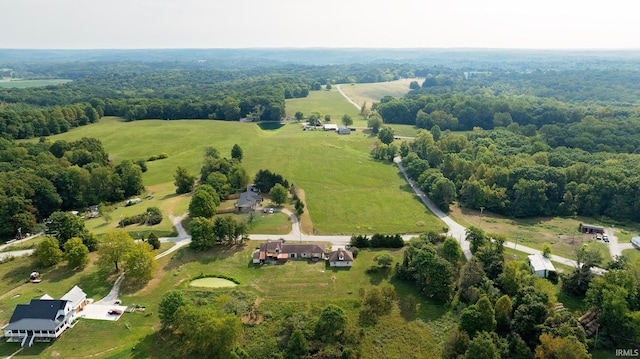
column 44, row 319
column 540, row 265
column 341, row 258
column 331, row 127
column 78, row 299
column 40, row 320
column 636, row 242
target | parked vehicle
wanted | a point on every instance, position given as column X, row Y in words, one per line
column 115, row 311
column 605, row 238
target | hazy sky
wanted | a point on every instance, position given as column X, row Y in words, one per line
column 100, row 24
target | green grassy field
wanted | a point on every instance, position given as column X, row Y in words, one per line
column 373, row 92
column 327, row 103
column 31, row 83
column 347, row 192
column 311, row 285
column 560, row 232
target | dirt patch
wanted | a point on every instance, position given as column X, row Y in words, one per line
column 253, row 317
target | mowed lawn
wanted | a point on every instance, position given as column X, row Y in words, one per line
column 302, row 282
column 347, row 192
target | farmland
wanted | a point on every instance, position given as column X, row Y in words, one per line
column 346, row 191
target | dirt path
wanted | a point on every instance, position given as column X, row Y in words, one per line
column 348, row 98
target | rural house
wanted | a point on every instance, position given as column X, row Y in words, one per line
column 40, row 320
column 279, row 252
column 540, row 265
column 344, row 131
column 331, row 127
column 44, row 319
column 341, row 258
column 248, row 201
column 78, row 299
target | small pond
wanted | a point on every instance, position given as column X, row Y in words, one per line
column 212, row 282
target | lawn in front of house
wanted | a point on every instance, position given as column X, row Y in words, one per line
column 309, row 284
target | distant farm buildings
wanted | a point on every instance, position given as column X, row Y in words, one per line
column 591, row 229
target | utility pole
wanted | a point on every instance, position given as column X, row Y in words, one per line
column 481, row 210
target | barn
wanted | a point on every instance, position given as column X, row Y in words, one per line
column 591, row 229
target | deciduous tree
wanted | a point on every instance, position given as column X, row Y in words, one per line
column 297, row 346
column 331, row 323
column 113, row 248
column 183, row 180
column 169, row 304
column 279, row 194
column 76, row 253
column 153, row 241
column 202, row 204
column 347, row 120
column 202, row 234
column 206, row 332
column 139, row 262
column 48, row 253
column 384, row 259
column 386, row 135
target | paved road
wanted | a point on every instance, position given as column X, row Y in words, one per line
column 26, row 252
column 181, row 240
column 456, row 230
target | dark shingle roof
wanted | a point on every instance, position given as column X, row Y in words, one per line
column 303, row 248
column 248, row 199
column 335, row 255
column 39, row 314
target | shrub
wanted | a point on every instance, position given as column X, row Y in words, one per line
column 161, row 156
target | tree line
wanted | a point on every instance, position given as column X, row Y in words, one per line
column 39, row 179
column 516, row 175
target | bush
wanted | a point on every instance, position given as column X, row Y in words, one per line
column 161, row 156
column 377, row 241
column 151, row 217
column 153, row 241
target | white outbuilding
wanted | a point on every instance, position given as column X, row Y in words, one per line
column 540, row 265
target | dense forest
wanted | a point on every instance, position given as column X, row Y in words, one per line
column 39, row 179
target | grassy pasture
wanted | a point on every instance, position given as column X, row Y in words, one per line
column 561, row 232
column 346, row 191
column 327, row 103
column 373, row 92
column 32, row 83
column 299, row 283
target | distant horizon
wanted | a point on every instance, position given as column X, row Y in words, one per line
column 404, row 24
column 327, row 48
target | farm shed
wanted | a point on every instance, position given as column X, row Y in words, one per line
column 588, row 228
column 540, row 265
column 636, row 242
column 344, row 131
